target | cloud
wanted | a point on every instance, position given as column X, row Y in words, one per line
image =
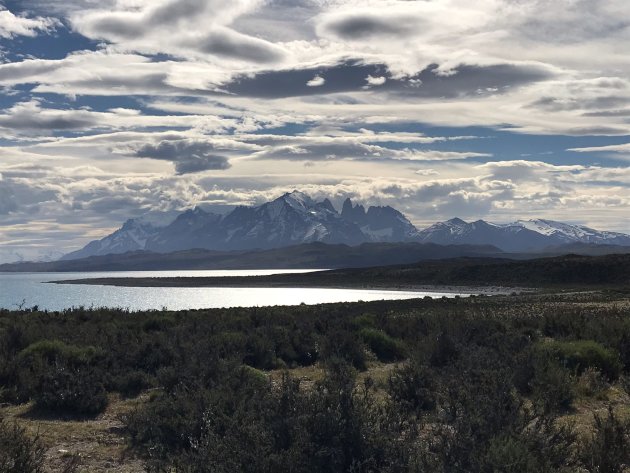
column 231, row 44
column 189, row 156
column 12, row 25
column 622, row 148
column 29, row 117
column 182, row 28
column 7, row 199
column 375, row 80
column 351, row 76
column 316, row 81
column 232, row 97
column 359, row 146
column 361, row 26
column 427, row 172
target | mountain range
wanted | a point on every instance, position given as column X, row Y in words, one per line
column 296, row 219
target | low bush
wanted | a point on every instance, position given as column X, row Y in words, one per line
column 580, row 355
column 343, row 345
column 413, row 387
column 552, row 386
column 382, row 345
column 76, row 391
column 133, row 383
column 591, row 384
column 19, row 452
column 62, row 378
column 608, row 450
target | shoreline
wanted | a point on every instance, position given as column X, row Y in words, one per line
column 235, row 282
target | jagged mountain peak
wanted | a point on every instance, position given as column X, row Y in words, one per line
column 327, row 204
column 297, row 199
column 456, row 221
column 519, row 236
column 295, row 218
column 353, row 213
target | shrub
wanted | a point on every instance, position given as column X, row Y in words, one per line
column 63, row 378
column 158, row 324
column 552, row 386
column 260, row 353
column 343, row 345
column 19, row 453
column 413, row 387
column 591, row 383
column 133, row 383
column 583, row 354
column 609, row 448
column 74, row 391
column 444, row 351
column 52, row 351
column 382, row 345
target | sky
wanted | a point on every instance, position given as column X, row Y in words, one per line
column 493, row 109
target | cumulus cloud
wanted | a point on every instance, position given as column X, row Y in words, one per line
column 376, row 80
column 184, row 28
column 316, row 81
column 254, row 89
column 12, row 25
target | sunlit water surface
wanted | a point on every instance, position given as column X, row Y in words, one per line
column 29, row 289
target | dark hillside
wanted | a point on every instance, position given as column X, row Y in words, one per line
column 563, row 271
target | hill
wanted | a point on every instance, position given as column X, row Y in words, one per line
column 563, row 271
column 313, row 255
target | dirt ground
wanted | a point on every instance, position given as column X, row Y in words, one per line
column 97, row 445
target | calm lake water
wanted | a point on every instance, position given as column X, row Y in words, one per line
column 29, row 289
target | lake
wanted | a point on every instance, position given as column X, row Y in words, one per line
column 29, row 289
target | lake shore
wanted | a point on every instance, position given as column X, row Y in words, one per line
column 264, row 282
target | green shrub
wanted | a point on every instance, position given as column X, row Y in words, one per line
column 583, row 354
column 158, row 324
column 254, row 376
column 260, row 353
column 364, row 321
column 413, row 386
column 343, row 345
column 51, row 351
column 62, row 378
column 552, row 386
column 382, row 345
column 76, row 391
column 133, row 383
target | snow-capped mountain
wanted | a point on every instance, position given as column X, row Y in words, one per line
column 132, row 236
column 291, row 219
column 574, row 233
column 189, row 230
column 10, row 255
column 295, row 218
column 520, row 236
column 380, row 223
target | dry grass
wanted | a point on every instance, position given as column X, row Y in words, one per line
column 99, row 443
